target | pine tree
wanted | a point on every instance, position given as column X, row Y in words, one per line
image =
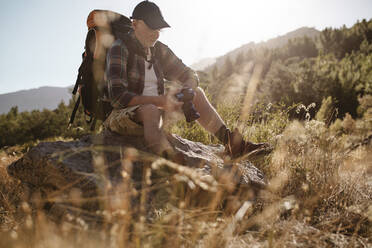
column 327, row 111
column 228, row 67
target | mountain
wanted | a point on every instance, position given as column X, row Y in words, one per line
column 271, row 43
column 282, row 40
column 40, row 98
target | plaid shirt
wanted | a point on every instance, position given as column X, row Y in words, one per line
column 126, row 78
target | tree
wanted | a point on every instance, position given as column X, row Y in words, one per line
column 327, row 111
column 228, row 67
column 239, row 60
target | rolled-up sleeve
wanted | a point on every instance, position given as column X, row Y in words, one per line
column 116, row 75
column 174, row 68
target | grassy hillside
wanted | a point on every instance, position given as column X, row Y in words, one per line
column 336, row 64
column 319, row 194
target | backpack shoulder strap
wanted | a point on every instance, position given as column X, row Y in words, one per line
column 73, row 114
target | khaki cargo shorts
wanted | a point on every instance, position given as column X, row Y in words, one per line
column 121, row 121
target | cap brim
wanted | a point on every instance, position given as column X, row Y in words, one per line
column 157, row 24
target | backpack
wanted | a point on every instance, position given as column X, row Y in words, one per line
column 104, row 27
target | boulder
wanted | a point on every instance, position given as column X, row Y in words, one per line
column 100, row 163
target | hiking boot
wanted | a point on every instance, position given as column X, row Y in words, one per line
column 237, row 146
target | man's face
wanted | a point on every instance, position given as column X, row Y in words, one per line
column 146, row 36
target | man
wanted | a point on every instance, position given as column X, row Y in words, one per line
column 135, row 72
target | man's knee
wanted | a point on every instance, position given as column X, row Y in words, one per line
column 148, row 112
column 199, row 92
column 149, row 108
column 199, row 95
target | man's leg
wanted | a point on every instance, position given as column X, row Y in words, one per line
column 209, row 118
column 213, row 123
column 155, row 139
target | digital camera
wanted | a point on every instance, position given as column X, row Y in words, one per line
column 186, row 96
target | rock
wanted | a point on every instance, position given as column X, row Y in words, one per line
column 94, row 164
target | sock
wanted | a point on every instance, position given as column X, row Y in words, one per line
column 223, row 134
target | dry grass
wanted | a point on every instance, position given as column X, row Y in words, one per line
column 319, row 195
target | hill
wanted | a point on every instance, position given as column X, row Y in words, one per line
column 277, row 42
column 44, row 97
column 330, row 69
column 271, row 43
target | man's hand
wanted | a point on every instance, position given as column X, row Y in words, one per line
column 169, row 103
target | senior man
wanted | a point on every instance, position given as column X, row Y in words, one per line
column 135, row 74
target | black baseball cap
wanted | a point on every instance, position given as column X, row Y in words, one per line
column 150, row 13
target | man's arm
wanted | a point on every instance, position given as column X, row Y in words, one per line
column 166, row 102
column 158, row 101
column 174, row 69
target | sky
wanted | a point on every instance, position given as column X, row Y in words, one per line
column 42, row 40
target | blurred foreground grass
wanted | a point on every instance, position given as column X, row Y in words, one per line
column 319, row 195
